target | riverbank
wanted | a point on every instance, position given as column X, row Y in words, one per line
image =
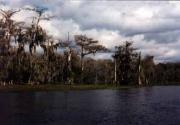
column 59, row 87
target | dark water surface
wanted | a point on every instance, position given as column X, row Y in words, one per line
column 136, row 106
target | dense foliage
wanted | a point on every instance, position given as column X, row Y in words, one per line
column 71, row 66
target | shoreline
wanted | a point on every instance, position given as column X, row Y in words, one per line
column 50, row 87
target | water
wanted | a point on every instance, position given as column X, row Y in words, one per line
column 136, row 106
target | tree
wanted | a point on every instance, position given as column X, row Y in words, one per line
column 8, row 29
column 36, row 34
column 67, row 66
column 126, row 59
column 50, row 58
column 87, row 46
column 149, row 68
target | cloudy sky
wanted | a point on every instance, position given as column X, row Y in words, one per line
column 154, row 26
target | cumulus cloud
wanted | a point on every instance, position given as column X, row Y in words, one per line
column 154, row 26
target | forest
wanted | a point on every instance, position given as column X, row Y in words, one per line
column 72, row 62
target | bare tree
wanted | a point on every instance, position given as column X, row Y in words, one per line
column 37, row 34
column 7, row 27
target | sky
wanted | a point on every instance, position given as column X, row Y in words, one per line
column 153, row 26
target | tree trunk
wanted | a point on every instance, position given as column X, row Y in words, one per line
column 115, row 71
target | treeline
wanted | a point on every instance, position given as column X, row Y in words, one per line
column 71, row 65
column 21, row 66
column 167, row 73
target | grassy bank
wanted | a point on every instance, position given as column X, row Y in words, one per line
column 59, row 87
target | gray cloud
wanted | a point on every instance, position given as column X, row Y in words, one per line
column 164, row 37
